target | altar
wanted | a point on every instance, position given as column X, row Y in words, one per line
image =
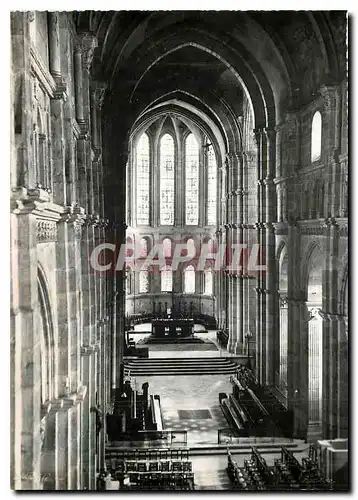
column 172, row 327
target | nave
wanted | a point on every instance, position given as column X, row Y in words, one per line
column 178, row 168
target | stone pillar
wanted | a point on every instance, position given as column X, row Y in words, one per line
column 343, row 378
column 297, row 345
column 26, row 349
column 330, row 331
column 331, row 136
column 54, row 44
column 260, row 299
column 78, row 81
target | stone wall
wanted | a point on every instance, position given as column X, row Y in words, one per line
column 60, row 328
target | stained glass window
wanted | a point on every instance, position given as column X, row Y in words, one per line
column 189, row 279
column 167, row 180
column 143, row 180
column 316, row 136
column 143, row 281
column 212, row 187
column 191, row 181
column 208, row 282
column 166, row 276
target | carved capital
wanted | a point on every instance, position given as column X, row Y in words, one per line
column 88, row 350
column 257, row 132
column 329, row 94
column 75, row 215
column 270, row 134
column 99, row 90
column 85, row 44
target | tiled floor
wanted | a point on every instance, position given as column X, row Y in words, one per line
column 191, row 393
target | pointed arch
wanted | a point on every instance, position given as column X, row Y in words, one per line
column 166, row 279
column 316, row 137
column 46, row 332
column 189, row 279
column 212, row 187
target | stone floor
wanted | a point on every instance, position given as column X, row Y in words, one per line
column 191, row 393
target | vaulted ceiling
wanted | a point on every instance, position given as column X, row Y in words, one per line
column 211, row 64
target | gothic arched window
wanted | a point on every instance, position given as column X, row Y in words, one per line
column 190, row 245
column 143, row 180
column 191, row 180
column 167, row 248
column 143, row 281
column 208, row 282
column 316, row 136
column 143, row 248
column 166, row 180
column 212, row 186
column 189, row 279
column 128, row 281
column 166, row 279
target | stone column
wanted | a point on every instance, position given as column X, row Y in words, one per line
column 260, row 299
column 297, row 345
column 331, row 124
column 26, row 364
column 343, row 378
column 54, row 44
column 330, row 332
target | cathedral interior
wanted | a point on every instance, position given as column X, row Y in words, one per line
column 139, row 141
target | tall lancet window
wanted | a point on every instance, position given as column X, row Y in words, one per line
column 143, row 180
column 189, row 279
column 212, row 187
column 143, row 281
column 166, row 180
column 191, row 181
column 208, row 282
column 166, row 278
column 316, row 136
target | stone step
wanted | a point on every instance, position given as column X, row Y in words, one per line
column 181, row 366
column 178, row 361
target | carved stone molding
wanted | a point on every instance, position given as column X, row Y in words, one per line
column 97, row 155
column 315, row 227
column 329, row 94
column 75, row 215
column 74, row 398
column 41, row 73
column 297, row 301
column 280, row 228
column 117, row 226
column 85, row 43
column 99, row 91
column 283, row 301
column 64, row 403
column 103, row 321
column 46, row 231
column 37, row 202
column 88, row 350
